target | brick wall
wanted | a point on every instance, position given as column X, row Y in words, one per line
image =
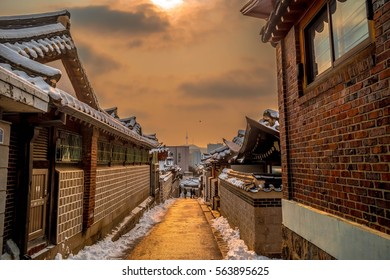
column 90, row 137
column 117, row 187
column 258, row 216
column 335, row 135
column 70, row 203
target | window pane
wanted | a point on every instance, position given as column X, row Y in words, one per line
column 319, row 53
column 68, row 147
column 349, row 23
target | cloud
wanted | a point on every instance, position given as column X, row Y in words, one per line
column 95, row 63
column 143, row 20
column 195, row 107
column 235, row 84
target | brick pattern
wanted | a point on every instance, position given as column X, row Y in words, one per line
column 118, row 186
column 302, row 249
column 260, row 226
column 89, row 161
column 70, row 203
column 336, row 134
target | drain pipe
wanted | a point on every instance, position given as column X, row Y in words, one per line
column 289, row 186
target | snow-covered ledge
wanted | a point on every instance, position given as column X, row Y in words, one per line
column 338, row 237
column 19, row 95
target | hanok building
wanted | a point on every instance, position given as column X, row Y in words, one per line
column 250, row 189
column 69, row 171
column 333, row 88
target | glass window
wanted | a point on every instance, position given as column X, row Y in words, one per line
column 145, row 156
column 130, row 154
column 340, row 26
column 68, row 147
column 137, row 155
column 104, row 152
column 349, row 21
column 118, row 153
column 1, row 136
column 318, row 47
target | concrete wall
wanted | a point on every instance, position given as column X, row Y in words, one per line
column 258, row 216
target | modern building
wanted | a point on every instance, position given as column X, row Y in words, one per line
column 333, row 89
column 195, row 156
column 180, row 156
column 69, row 170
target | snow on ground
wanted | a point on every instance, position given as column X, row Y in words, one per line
column 237, row 248
column 107, row 249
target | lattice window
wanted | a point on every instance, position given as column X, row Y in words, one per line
column 118, row 153
column 104, row 152
column 68, row 147
column 130, row 155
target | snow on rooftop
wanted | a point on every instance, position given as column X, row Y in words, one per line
column 31, row 31
column 34, row 16
column 17, row 59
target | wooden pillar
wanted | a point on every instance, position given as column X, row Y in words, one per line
column 27, row 134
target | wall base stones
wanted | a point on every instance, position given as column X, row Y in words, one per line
column 295, row 247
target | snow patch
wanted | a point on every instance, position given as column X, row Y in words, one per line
column 238, row 250
column 107, row 249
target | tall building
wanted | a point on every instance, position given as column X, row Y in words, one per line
column 181, row 156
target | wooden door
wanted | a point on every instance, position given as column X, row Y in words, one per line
column 38, row 193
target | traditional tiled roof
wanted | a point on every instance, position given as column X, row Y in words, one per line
column 74, row 107
column 281, row 15
column 252, row 182
column 113, row 112
column 258, row 8
column 28, row 42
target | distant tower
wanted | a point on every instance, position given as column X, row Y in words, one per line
column 186, row 137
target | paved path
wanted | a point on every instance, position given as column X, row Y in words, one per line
column 184, row 234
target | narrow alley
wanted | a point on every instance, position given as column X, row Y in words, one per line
column 183, row 234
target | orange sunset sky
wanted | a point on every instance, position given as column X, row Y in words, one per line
column 198, row 67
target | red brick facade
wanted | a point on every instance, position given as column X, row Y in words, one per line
column 335, row 134
column 90, row 137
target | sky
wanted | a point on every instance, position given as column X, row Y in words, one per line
column 198, row 68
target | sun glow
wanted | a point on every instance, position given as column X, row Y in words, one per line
column 167, row 4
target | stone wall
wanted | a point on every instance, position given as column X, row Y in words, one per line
column 294, row 247
column 169, row 186
column 258, row 216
